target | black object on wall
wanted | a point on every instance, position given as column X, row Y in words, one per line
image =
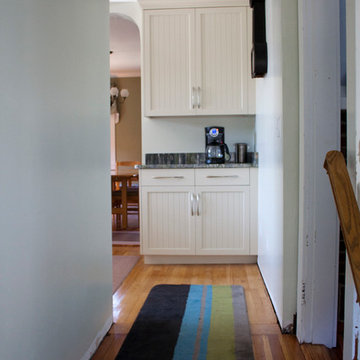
column 259, row 50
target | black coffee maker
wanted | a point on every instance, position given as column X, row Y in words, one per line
column 216, row 151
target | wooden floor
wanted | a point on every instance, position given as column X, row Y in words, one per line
column 268, row 342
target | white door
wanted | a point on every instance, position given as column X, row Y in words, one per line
column 222, row 60
column 168, row 58
column 222, row 220
column 168, row 220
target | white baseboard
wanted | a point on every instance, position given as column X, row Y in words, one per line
column 99, row 337
column 183, row 259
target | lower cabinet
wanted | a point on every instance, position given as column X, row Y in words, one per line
column 222, row 220
column 167, row 220
column 198, row 212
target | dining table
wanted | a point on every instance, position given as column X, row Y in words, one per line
column 120, row 180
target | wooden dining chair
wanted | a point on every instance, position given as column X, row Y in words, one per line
column 116, row 202
column 120, row 211
column 123, row 165
column 133, row 187
column 132, row 206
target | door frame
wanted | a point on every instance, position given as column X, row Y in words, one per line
column 319, row 72
column 352, row 308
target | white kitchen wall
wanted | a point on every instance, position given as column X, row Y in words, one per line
column 187, row 134
column 277, row 144
column 55, row 219
column 270, row 147
column 131, row 9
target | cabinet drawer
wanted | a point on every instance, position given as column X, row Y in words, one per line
column 229, row 176
column 162, row 177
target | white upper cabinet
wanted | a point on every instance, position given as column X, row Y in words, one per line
column 169, row 74
column 197, row 62
column 221, row 59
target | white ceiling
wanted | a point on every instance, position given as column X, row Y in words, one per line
column 125, row 44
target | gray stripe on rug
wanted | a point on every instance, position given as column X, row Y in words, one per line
column 241, row 325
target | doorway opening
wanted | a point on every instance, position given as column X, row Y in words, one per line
column 125, row 83
column 125, row 124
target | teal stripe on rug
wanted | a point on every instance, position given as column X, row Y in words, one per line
column 187, row 337
column 206, row 324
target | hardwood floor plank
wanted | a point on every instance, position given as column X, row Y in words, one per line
column 126, row 250
column 109, row 347
column 315, row 352
column 276, row 348
column 290, row 347
column 265, row 329
column 258, row 347
column 267, row 348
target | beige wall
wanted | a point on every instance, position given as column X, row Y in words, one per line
column 128, row 130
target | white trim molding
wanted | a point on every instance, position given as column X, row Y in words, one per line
column 352, row 308
column 98, row 339
column 319, row 71
column 199, row 259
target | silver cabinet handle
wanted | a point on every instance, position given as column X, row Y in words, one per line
column 193, row 90
column 198, row 97
column 192, row 203
column 198, row 204
column 222, row 176
column 168, row 177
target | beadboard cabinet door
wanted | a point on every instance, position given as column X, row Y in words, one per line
column 222, row 60
column 168, row 66
column 197, row 62
column 223, row 220
column 167, row 220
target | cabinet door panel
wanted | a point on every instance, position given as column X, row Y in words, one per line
column 222, row 59
column 222, row 224
column 168, row 71
column 168, row 221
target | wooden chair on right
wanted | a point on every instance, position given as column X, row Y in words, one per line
column 118, row 210
column 132, row 192
column 129, row 165
column 347, row 209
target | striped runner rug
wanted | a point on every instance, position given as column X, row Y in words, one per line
column 190, row 322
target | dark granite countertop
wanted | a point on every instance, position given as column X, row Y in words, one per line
column 190, row 161
column 195, row 166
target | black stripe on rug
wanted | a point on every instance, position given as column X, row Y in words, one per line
column 155, row 331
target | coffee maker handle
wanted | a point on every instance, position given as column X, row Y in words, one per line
column 227, row 153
